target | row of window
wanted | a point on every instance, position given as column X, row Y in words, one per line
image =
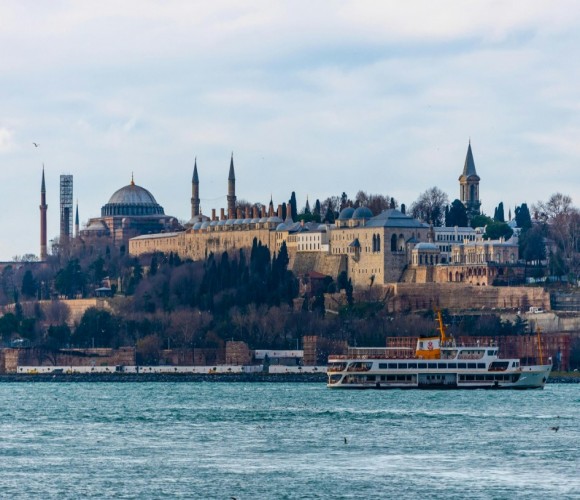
column 432, row 366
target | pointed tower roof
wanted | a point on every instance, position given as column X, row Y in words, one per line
column 232, row 176
column 77, row 215
column 43, row 185
column 469, row 167
column 195, row 177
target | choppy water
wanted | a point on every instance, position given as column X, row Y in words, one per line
column 259, row 440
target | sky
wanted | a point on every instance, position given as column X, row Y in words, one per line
column 316, row 97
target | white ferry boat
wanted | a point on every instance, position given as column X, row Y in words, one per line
column 437, row 363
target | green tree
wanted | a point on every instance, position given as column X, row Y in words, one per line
column 97, row 327
column 497, row 230
column 532, row 246
column 457, row 215
column 8, row 325
column 29, row 285
column 293, row 207
column 498, row 215
column 481, row 220
column 523, row 218
column 58, row 336
column 70, row 280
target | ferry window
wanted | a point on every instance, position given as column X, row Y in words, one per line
column 461, row 365
column 490, row 353
column 402, row 366
column 401, row 377
column 392, row 366
column 371, row 378
column 442, row 365
column 382, row 366
column 469, row 377
column 451, row 365
column 422, row 365
column 471, row 365
column 412, row 365
column 481, row 365
column 431, row 365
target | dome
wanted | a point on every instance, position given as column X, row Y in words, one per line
column 96, row 225
column 281, row 227
column 213, row 223
column 426, row 246
column 238, row 222
column 346, row 213
column 197, row 226
column 204, row 225
column 255, row 221
column 230, row 222
column 275, row 219
column 362, row 213
column 221, row 223
column 132, row 200
column 195, row 219
column 263, row 219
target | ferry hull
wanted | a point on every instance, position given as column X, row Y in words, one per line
column 528, row 377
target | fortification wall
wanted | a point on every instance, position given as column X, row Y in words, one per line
column 457, row 296
column 329, row 265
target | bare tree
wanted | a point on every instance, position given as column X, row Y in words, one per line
column 430, row 206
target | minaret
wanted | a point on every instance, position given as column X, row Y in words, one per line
column 195, row 192
column 469, row 185
column 43, row 209
column 77, row 221
column 271, row 207
column 232, row 191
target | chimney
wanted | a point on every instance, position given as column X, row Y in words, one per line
column 239, row 213
column 255, row 215
column 222, row 214
column 213, row 214
column 280, row 210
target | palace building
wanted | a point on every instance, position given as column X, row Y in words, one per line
column 372, row 248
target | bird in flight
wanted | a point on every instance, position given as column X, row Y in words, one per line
column 35, row 144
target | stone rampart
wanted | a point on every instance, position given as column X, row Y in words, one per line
column 458, row 296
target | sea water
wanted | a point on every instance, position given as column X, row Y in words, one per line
column 278, row 440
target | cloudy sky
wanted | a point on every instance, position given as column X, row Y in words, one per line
column 316, row 97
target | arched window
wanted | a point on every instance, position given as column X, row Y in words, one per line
column 472, row 196
column 394, row 243
column 378, row 242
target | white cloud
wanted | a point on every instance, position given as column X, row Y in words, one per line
column 6, row 140
column 314, row 97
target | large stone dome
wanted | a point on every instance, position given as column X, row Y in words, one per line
column 132, row 200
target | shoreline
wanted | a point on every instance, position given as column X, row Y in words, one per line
column 195, row 378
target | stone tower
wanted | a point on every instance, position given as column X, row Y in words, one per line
column 232, row 191
column 43, row 209
column 195, row 192
column 469, row 186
